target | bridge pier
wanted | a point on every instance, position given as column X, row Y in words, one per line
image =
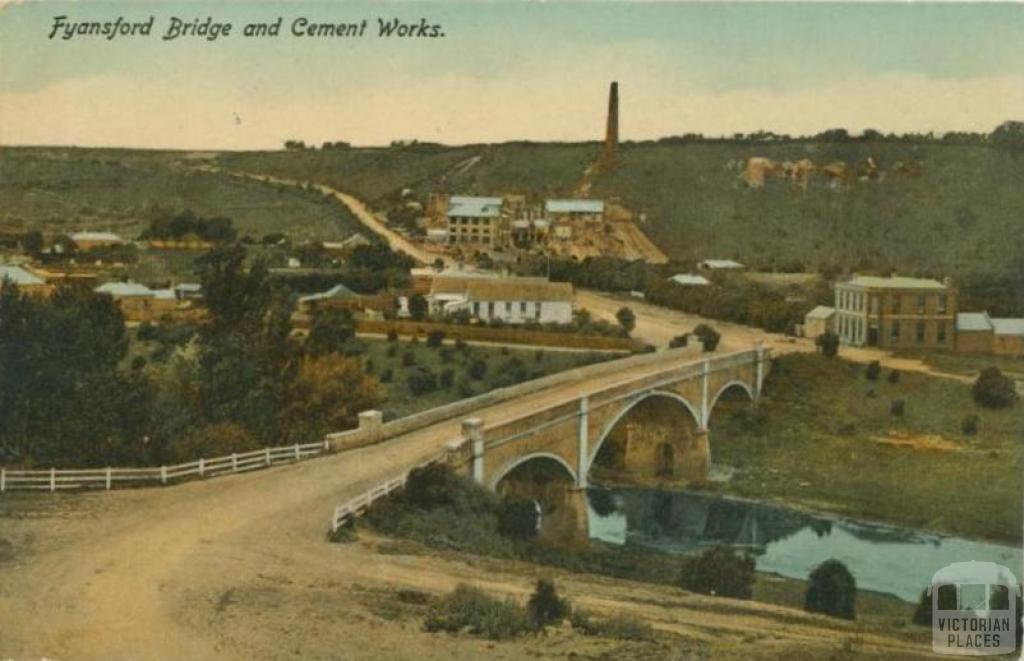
column 473, row 433
column 583, row 444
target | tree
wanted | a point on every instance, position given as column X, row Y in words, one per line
column 708, row 336
column 545, row 606
column 477, row 369
column 828, row 344
column 626, row 319
column 33, row 242
column 872, row 371
column 719, row 571
column 679, row 341
column 994, row 390
column 832, row 591
column 216, row 440
column 331, row 331
column 422, row 380
column 435, row 338
column 518, row 518
column 418, row 307
column 326, row 395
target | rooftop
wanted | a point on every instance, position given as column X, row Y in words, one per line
column 721, row 264
column 689, row 279
column 96, row 236
column 19, row 276
column 1008, row 326
column 464, row 206
column 821, row 312
column 895, row 282
column 503, row 289
column 574, row 206
column 973, row 321
column 120, row 289
column 337, row 291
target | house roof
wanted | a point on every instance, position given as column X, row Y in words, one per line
column 895, row 282
column 721, row 264
column 19, row 276
column 574, row 206
column 1008, row 326
column 337, row 291
column 973, row 321
column 503, row 289
column 689, row 279
column 164, row 293
column 96, row 236
column 821, row 312
column 464, row 206
column 122, row 289
column 192, row 287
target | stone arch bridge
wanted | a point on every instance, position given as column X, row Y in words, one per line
column 572, row 432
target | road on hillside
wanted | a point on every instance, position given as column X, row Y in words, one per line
column 238, row 567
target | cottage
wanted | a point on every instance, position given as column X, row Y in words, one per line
column 340, row 297
column 138, row 302
column 26, row 282
column 512, row 300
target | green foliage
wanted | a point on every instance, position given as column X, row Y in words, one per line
column 872, row 371
column 392, row 335
column 477, row 369
column 331, row 331
column 923, row 611
column 447, row 379
column 828, row 344
column 708, row 336
column 435, row 338
column 679, row 341
column 894, row 376
column 969, row 426
column 545, row 606
column 994, row 390
column 719, row 571
column 898, row 408
column 468, row 608
column 187, row 225
column 620, row 626
column 626, row 319
column 422, row 380
column 518, row 518
column 832, row 591
column 418, row 307
column 214, row 440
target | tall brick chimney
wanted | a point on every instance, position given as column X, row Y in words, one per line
column 611, row 135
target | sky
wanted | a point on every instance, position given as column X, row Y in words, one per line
column 507, row 70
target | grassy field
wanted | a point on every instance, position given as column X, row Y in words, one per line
column 817, row 439
column 968, row 364
column 64, row 190
column 503, row 367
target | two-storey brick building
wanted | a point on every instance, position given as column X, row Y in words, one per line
column 896, row 312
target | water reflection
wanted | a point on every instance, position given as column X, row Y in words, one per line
column 889, row 559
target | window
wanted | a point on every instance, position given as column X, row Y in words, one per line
column 536, row 310
column 920, row 304
column 941, row 304
column 942, row 332
column 508, row 307
column 919, row 332
column 522, row 307
column 476, row 308
column 895, row 303
column 490, row 309
column 894, row 331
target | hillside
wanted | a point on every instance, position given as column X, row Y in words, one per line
column 63, row 190
column 957, row 212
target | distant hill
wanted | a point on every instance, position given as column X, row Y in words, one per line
column 941, row 209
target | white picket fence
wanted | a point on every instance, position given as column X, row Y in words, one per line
column 354, row 507
column 106, row 478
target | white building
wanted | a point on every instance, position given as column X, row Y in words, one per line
column 512, row 300
column 720, row 265
column 689, row 280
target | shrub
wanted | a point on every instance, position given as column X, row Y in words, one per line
column 408, row 359
column 435, row 338
column 518, row 518
column 872, row 371
column 894, row 376
column 369, row 367
column 969, row 426
column 538, row 355
column 626, row 319
column 470, row 608
column 445, row 354
column 545, row 606
column 620, row 626
column 146, row 332
column 708, row 336
column 421, row 381
column 460, row 344
column 392, row 335
column 994, row 390
column 387, row 376
column 477, row 369
column 392, row 351
column 828, row 343
column 923, row 612
column 464, row 388
column 216, row 440
column 719, row 571
column 832, row 591
column 447, row 378
column 679, row 341
column 898, row 407
column 138, row 362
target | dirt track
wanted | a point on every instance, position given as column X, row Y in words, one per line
column 237, row 568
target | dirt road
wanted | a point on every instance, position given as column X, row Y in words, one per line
column 238, row 568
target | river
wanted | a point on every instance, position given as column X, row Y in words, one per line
column 883, row 558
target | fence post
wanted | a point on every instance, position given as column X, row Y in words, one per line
column 3, row 480
column 202, row 466
column 296, row 452
column 234, row 462
column 108, row 478
column 267, row 450
column 53, row 479
column 163, row 475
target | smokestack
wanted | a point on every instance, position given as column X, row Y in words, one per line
column 611, row 136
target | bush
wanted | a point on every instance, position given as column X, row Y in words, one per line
column 923, row 612
column 392, row 335
column 872, row 371
column 969, row 426
column 216, row 440
column 470, row 608
column 146, row 332
column 518, row 518
column 719, row 571
column 994, row 390
column 679, row 341
column 626, row 319
column 477, row 369
column 832, row 591
column 447, row 378
column 435, row 338
column 828, row 343
column 898, row 407
column 708, row 337
column 545, row 606
column 894, row 376
column 619, row 626
column 460, row 344
column 408, row 359
column 387, row 376
column 392, row 351
column 421, row 381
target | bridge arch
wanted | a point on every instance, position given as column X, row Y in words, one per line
column 610, row 425
column 519, row 461
column 735, row 383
